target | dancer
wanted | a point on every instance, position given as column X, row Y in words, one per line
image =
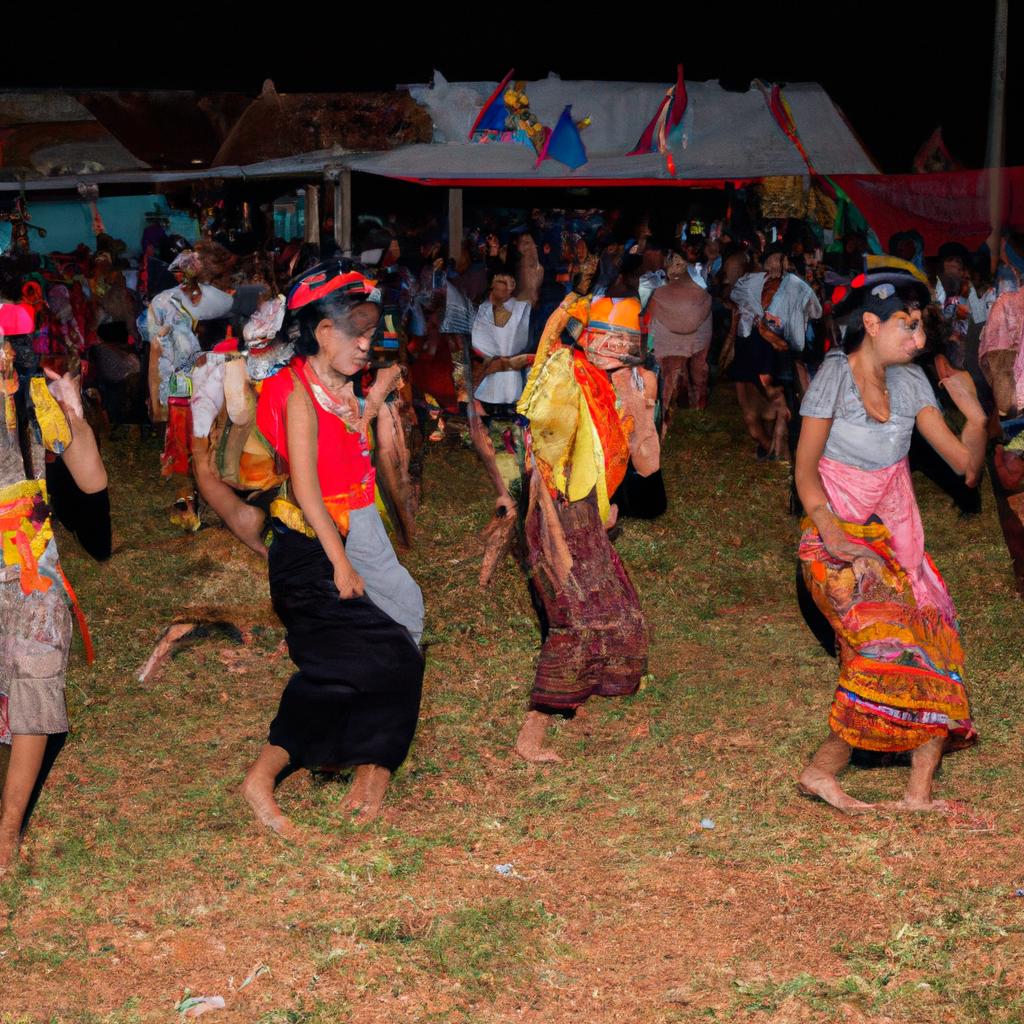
column 901, row 664
column 171, row 324
column 773, row 307
column 36, row 600
column 573, row 456
column 680, row 314
column 353, row 614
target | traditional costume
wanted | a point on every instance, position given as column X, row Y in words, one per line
column 901, row 663
column 577, row 449
column 36, row 600
column 171, row 324
column 355, row 697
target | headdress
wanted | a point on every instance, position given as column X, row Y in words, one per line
column 187, row 263
column 328, row 277
column 876, row 292
column 612, row 337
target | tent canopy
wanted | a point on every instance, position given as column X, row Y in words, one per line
column 943, row 207
column 729, row 136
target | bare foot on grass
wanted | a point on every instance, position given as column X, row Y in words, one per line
column 816, row 783
column 907, row 805
column 259, row 795
column 530, row 741
column 366, row 795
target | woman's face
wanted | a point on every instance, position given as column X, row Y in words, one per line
column 502, row 287
column 900, row 338
column 346, row 347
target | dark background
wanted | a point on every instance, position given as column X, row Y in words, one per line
column 897, row 70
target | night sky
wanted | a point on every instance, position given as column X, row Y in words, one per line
column 897, row 70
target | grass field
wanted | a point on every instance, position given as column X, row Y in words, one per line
column 145, row 880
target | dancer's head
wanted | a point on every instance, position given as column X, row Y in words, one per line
column 333, row 314
column 886, row 308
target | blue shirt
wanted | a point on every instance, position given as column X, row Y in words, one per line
column 855, row 438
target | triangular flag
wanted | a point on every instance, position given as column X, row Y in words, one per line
column 934, row 155
column 657, row 136
column 564, row 143
column 494, row 112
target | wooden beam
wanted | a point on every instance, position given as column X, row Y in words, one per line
column 312, row 214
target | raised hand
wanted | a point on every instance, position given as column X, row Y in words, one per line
column 67, row 390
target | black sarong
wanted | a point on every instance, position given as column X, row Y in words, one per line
column 356, row 697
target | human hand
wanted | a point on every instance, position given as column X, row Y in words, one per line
column 348, row 581
column 841, row 547
column 67, row 390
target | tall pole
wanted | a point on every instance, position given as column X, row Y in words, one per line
column 996, row 123
column 312, row 232
column 454, row 224
column 343, row 216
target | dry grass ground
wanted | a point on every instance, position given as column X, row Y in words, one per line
column 146, row 880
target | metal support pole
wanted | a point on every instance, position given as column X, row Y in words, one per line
column 996, row 124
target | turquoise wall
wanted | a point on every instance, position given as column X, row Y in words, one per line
column 68, row 223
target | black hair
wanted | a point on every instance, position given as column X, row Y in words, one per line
column 501, row 270
column 301, row 325
column 882, row 295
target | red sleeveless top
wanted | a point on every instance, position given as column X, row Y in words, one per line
column 343, row 464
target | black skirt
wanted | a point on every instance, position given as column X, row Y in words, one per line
column 356, row 696
column 755, row 358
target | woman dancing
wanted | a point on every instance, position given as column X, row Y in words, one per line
column 353, row 614
column 862, row 551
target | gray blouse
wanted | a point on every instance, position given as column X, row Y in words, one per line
column 855, row 438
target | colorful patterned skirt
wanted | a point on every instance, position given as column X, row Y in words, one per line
column 901, row 663
column 595, row 637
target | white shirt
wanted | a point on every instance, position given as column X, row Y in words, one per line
column 505, row 386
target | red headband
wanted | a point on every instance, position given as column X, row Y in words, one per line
column 322, row 282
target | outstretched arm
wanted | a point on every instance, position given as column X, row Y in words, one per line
column 504, row 504
column 82, row 455
column 966, row 453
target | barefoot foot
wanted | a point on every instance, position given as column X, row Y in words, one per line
column 817, row 784
column 258, row 793
column 530, row 741
column 366, row 796
column 356, row 796
column 919, row 806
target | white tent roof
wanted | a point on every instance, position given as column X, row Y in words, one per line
column 729, row 135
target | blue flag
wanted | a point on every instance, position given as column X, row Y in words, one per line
column 564, row 143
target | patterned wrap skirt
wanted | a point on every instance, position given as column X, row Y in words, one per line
column 900, row 659
column 595, row 637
